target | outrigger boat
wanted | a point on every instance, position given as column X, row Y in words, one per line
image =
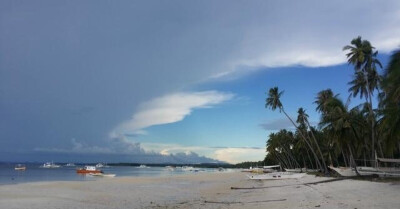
column 295, row 170
column 264, row 169
column 50, row 165
column 20, row 167
column 70, row 164
column 371, row 171
column 88, row 170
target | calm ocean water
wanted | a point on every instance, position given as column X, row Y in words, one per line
column 33, row 173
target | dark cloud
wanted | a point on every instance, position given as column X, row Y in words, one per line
column 77, row 70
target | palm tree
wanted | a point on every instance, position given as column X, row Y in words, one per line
column 303, row 118
column 391, row 103
column 323, row 98
column 358, row 86
column 273, row 102
column 341, row 124
column 361, row 54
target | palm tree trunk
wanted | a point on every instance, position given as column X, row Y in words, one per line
column 352, row 159
column 319, row 150
column 304, row 138
column 365, row 160
column 289, row 154
column 380, row 148
column 287, row 159
column 371, row 112
column 283, row 160
column 284, row 163
column 344, row 159
column 309, row 158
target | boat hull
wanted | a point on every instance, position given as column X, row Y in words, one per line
column 83, row 171
column 366, row 171
column 20, row 169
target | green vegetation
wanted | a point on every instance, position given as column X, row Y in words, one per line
column 344, row 136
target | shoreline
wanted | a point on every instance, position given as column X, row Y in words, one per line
column 201, row 190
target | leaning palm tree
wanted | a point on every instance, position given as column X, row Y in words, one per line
column 303, row 118
column 390, row 121
column 273, row 102
column 361, row 54
column 323, row 98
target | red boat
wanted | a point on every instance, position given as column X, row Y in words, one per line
column 88, row 169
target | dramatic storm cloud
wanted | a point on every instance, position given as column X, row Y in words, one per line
column 104, row 72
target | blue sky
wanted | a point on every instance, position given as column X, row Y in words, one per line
column 122, row 81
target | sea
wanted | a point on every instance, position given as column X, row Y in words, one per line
column 35, row 173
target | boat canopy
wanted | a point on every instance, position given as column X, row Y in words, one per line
column 388, row 160
column 272, row 166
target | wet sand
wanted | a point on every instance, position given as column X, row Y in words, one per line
column 201, row 190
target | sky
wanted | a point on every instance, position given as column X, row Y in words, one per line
column 171, row 81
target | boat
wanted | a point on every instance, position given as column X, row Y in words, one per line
column 371, row 171
column 88, row 169
column 189, row 168
column 270, row 168
column 99, row 165
column 311, row 170
column 294, row 170
column 276, row 176
column 50, row 165
column 254, row 170
column 142, row 166
column 102, row 174
column 344, row 171
column 170, row 168
column 70, row 165
column 367, row 171
column 20, row 167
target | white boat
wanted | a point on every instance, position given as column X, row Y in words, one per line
column 270, row 168
column 276, row 176
column 99, row 165
column 311, row 170
column 170, row 168
column 20, row 167
column 189, row 168
column 70, row 165
column 344, row 171
column 294, row 170
column 142, row 166
column 50, row 165
column 370, row 171
column 255, row 170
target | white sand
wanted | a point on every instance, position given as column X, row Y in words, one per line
column 202, row 190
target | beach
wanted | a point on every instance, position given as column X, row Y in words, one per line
column 201, row 190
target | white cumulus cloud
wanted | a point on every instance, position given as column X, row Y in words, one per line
column 239, row 154
column 167, row 109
